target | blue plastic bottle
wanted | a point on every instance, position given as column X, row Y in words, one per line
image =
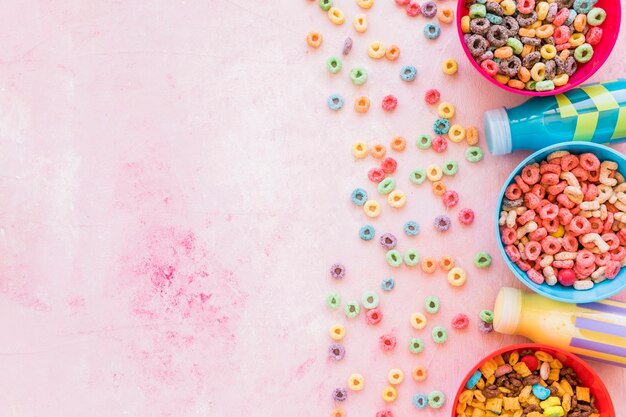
column 594, row 112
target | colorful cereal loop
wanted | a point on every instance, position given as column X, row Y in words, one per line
column 336, row 16
column 356, row 382
column 429, row 265
column 362, row 104
column 398, row 143
column 371, row 208
column 456, row 133
column 337, row 332
column 314, row 39
column 457, row 277
column 419, row 373
column 418, row 321
column 389, row 394
column 395, row 376
column 360, row 150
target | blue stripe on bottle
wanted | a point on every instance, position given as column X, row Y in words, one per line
column 601, row 327
column 598, row 347
column 581, row 100
column 614, row 85
column 604, row 308
column 605, row 118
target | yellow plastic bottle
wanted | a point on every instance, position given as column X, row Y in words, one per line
column 593, row 330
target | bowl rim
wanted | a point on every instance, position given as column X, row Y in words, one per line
column 536, row 346
column 539, row 288
column 601, row 61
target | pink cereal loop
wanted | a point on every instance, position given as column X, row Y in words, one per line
column 585, row 258
column 538, row 234
column 538, row 190
column 550, row 245
column 569, row 162
column 509, row 235
column 618, row 254
column 589, row 161
column 579, row 226
column 549, row 179
column 602, row 258
column 532, row 250
column 551, row 225
column 549, row 211
column 565, row 216
column 532, row 201
column 530, row 174
column 512, row 252
column 513, row 192
column 527, row 216
column 521, row 184
column 569, row 243
column 535, row 276
column 524, row 266
column 612, row 269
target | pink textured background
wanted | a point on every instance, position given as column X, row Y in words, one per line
column 174, row 189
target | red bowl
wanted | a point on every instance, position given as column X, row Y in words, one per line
column 586, row 374
column 601, row 51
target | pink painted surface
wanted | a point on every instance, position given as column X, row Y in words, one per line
column 174, row 189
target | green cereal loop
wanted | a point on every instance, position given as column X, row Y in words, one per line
column 334, row 64
column 477, row 10
column 486, row 316
column 531, row 85
column 358, row 75
column 326, row 4
column 411, row 257
column 431, row 304
column 482, row 260
column 417, row 176
column 450, row 168
column 439, row 334
column 545, row 85
column 596, row 16
column 416, row 345
column 369, row 300
column 333, row 300
column 474, row 154
column 424, row 141
column 394, row 258
column 436, row 399
column 351, row 309
column 516, row 45
column 386, row 186
column 582, row 54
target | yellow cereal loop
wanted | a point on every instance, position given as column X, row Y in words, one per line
column 544, row 31
column 337, row 332
column 356, row 382
column 542, row 10
column 360, row 150
column 457, row 277
column 446, row 110
column 456, row 133
column 577, row 39
column 360, row 23
column 376, row 50
column 418, row 321
column 538, row 71
column 336, row 16
column 465, row 24
column 548, row 51
column 396, row 199
column 450, row 66
column 395, row 376
column 365, row 4
column 508, row 7
column 434, row 172
column 371, row 208
column 390, row 394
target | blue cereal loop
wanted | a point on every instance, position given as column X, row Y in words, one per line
column 359, row 196
column 335, row 102
column 541, row 392
column 584, row 6
column 388, row 284
column 420, row 400
column 471, row 383
column 441, row 126
column 570, row 18
column 408, row 73
column 494, row 19
column 367, row 232
column 432, row 31
column 411, row 228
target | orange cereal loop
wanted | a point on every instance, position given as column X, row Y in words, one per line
column 565, row 53
column 337, row 412
column 419, row 373
column 378, row 151
column 429, row 265
column 523, row 74
column 398, row 143
column 362, row 104
column 501, row 78
column 471, row 135
column 445, row 15
column 518, row 84
column 392, row 53
column 314, row 39
column 439, row 188
column 446, row 263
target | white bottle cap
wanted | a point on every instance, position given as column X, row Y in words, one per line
column 507, row 312
column 498, row 131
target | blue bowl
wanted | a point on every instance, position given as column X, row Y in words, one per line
column 558, row 292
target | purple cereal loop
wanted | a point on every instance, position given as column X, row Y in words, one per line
column 337, row 271
column 531, row 59
column 564, row 3
column 527, row 19
column 552, row 10
column 560, row 65
column 511, row 25
column 494, row 8
column 485, row 327
column 388, row 241
column 340, row 394
column 477, row 45
column 480, row 26
column 570, row 65
column 336, row 352
column 510, row 66
column 429, row 9
column 442, row 223
column 497, row 35
column 530, row 41
column 347, row 46
column 550, row 69
column 485, row 56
